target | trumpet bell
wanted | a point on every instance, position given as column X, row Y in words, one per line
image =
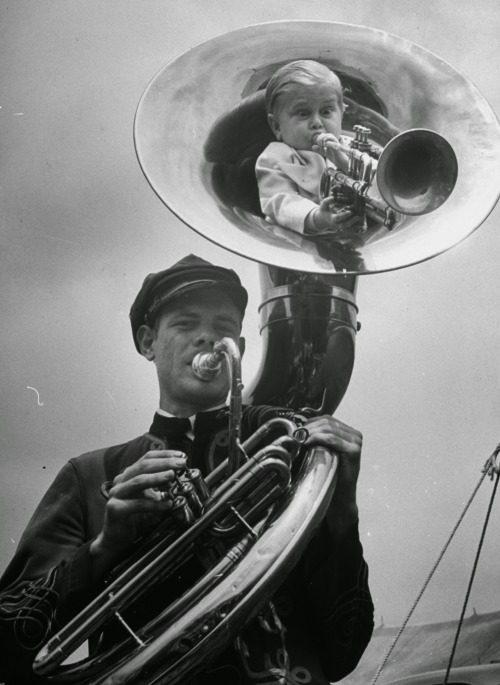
column 417, row 172
column 391, row 86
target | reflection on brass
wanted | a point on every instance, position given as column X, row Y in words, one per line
column 414, row 174
column 198, row 155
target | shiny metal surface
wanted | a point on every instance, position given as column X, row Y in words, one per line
column 204, row 365
column 394, row 86
column 308, row 328
column 267, row 519
column 199, row 624
column 417, row 171
column 206, row 630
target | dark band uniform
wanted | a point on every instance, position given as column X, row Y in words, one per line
column 314, row 631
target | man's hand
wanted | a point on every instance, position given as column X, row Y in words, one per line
column 346, row 442
column 136, row 503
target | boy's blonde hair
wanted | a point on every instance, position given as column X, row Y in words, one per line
column 302, row 71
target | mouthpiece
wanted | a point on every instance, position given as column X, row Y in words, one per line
column 207, row 365
column 326, row 140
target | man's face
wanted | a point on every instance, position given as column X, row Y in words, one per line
column 189, row 325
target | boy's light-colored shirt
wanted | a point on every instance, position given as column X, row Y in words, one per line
column 288, row 182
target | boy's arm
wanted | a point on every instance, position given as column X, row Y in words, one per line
column 280, row 200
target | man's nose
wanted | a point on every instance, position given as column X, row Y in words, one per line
column 205, row 337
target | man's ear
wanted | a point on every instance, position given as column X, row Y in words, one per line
column 145, row 338
column 242, row 345
column 274, row 124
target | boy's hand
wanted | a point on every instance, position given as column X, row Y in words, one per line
column 329, row 218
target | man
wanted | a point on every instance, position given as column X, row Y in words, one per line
column 320, row 620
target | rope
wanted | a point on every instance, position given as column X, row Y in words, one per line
column 489, row 469
column 469, row 588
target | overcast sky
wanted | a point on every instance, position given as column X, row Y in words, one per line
column 81, row 228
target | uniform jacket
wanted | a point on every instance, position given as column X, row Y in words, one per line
column 318, row 625
column 288, row 182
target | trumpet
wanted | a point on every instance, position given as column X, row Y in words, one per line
column 415, row 172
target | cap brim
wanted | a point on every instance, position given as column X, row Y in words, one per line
column 236, row 292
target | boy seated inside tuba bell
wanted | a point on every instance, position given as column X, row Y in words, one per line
column 303, row 99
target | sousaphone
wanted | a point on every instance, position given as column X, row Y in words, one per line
column 199, row 127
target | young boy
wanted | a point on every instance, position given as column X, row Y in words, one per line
column 303, row 99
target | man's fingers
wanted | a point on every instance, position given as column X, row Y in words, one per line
column 154, row 462
column 153, row 455
column 333, row 433
column 118, row 509
column 346, row 445
column 134, row 486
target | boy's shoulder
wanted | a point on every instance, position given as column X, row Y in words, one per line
column 279, row 152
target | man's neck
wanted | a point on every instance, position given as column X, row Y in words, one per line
column 186, row 411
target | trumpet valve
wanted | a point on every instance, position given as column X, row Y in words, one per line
column 199, row 484
column 185, row 488
column 182, row 512
column 361, row 141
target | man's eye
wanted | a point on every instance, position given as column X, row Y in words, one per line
column 328, row 111
column 227, row 332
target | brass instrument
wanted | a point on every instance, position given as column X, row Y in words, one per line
column 415, row 173
column 199, row 127
column 178, row 639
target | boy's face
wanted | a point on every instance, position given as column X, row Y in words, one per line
column 306, row 110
